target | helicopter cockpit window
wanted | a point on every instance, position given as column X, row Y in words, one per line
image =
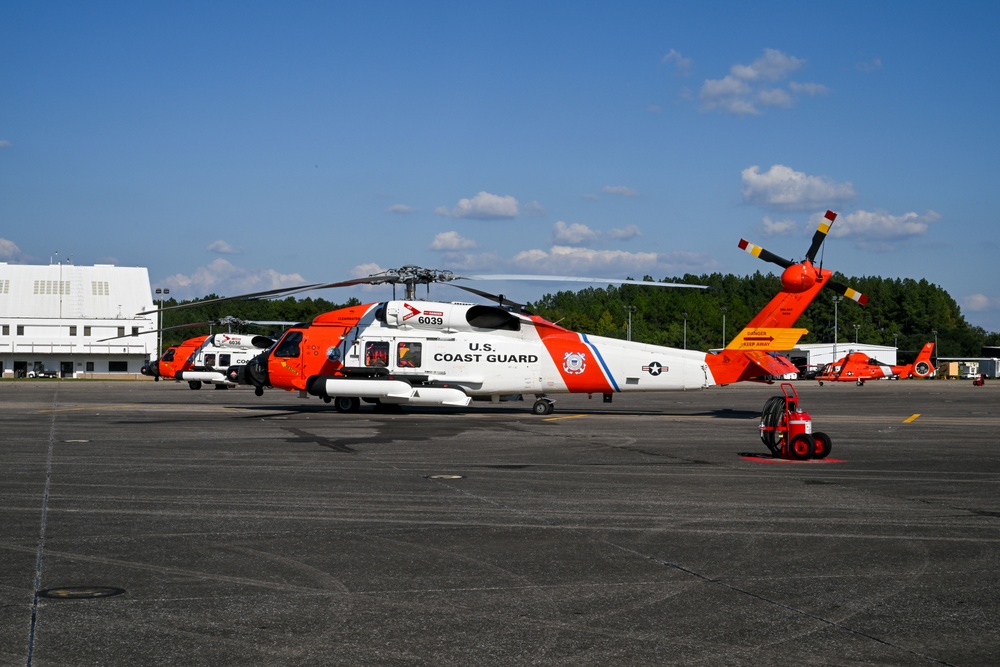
column 168, row 355
column 289, row 345
column 408, row 355
column 490, row 317
column 377, row 353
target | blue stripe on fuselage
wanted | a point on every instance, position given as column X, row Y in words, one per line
column 600, row 360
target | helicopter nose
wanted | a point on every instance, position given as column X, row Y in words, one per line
column 255, row 372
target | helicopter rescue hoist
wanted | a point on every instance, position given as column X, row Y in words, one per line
column 787, row 431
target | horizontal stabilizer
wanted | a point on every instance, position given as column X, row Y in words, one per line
column 768, row 340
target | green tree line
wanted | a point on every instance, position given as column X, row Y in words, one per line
column 903, row 313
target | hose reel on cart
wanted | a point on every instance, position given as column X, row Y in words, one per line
column 786, row 429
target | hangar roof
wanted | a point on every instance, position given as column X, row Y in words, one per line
column 68, row 291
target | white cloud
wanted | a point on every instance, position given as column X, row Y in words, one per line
column 774, row 97
column 624, row 233
column 224, row 278
column 784, row 188
column 980, row 302
column 620, row 190
column 681, row 64
column 808, row 88
column 578, row 234
column 779, row 227
column 484, row 206
column 533, row 209
column 401, row 209
column 565, row 260
column 749, row 88
column 878, row 230
column 9, row 249
column 772, row 66
column 573, row 234
column 448, row 241
column 870, row 66
column 222, row 247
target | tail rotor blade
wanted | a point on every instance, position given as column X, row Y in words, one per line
column 820, row 234
column 763, row 254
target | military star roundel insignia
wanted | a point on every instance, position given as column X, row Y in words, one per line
column 654, row 368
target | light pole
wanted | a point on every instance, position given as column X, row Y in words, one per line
column 685, row 330
column 724, row 311
column 159, row 319
column 631, row 309
column 936, row 353
column 836, row 301
column 857, row 329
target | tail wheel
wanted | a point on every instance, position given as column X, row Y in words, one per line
column 823, row 445
column 346, row 404
column 801, row 447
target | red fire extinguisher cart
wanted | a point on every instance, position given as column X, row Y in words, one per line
column 787, row 431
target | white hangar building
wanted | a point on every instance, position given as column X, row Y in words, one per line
column 56, row 316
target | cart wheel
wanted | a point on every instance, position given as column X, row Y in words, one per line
column 823, row 445
column 801, row 447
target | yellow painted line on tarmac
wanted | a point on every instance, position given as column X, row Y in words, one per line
column 911, row 418
column 555, row 419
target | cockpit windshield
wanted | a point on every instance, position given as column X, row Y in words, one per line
column 288, row 347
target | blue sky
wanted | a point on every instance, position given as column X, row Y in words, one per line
column 233, row 147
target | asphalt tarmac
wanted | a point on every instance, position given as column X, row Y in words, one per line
column 147, row 524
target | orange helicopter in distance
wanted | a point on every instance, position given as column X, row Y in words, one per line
column 858, row 367
column 206, row 358
column 416, row 352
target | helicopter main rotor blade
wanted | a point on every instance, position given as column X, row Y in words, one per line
column 266, row 294
column 498, row 298
column 579, row 279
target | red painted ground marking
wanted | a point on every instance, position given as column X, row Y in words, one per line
column 768, row 459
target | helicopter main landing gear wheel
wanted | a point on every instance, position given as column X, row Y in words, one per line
column 346, row 404
column 543, row 406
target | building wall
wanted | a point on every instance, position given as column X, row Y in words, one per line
column 62, row 315
column 824, row 353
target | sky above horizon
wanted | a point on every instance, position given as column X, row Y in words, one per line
column 236, row 147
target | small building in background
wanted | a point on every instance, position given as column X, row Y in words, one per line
column 57, row 317
column 811, row 355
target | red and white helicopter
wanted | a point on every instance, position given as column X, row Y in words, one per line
column 413, row 352
column 205, row 359
column 857, row 367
